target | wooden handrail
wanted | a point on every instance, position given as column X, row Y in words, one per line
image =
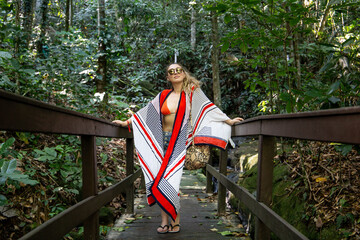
column 278, row 225
column 61, row 224
column 335, row 125
column 23, row 114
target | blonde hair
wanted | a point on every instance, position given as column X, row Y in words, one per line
column 189, row 80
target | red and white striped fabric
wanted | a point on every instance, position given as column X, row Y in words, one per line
column 163, row 170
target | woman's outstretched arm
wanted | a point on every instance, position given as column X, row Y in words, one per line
column 234, row 120
column 123, row 123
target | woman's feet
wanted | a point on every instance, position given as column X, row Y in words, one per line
column 174, row 228
column 163, row 229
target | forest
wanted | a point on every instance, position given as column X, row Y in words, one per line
column 107, row 58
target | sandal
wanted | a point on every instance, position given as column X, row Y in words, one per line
column 163, row 227
column 172, row 227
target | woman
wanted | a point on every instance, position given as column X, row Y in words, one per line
column 162, row 131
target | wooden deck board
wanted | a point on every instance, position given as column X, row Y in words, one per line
column 198, row 216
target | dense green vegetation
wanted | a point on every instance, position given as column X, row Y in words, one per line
column 309, row 188
column 105, row 58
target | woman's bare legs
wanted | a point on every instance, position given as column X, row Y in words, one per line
column 164, row 222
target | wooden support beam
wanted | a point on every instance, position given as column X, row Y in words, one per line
column 129, row 171
column 277, row 224
column 222, row 188
column 90, row 183
column 209, row 182
column 264, row 181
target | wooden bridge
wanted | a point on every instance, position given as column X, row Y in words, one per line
column 23, row 114
column 199, row 218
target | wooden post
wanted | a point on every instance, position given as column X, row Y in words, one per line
column 222, row 188
column 90, row 183
column 209, row 185
column 129, row 171
column 267, row 152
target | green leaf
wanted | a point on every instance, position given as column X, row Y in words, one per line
column 344, row 149
column 225, row 47
column 335, row 86
column 334, row 100
column 349, row 41
column 339, row 220
column 289, row 107
column 28, row 181
column 227, row 18
column 8, row 167
column 119, row 229
column 75, row 191
column 50, row 151
column 226, row 233
column 243, row 47
column 314, row 93
column 6, row 145
column 3, row 200
column 5, row 55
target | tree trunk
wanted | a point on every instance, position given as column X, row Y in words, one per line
column 288, row 33
column 67, row 15
column 17, row 4
column 6, row 12
column 43, row 23
column 71, row 13
column 215, row 59
column 28, row 20
column 297, row 59
column 286, row 63
column 101, row 80
column 193, row 29
column 324, row 18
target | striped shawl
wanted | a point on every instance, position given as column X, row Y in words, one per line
column 163, row 170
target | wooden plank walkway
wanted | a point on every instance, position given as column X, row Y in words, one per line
column 199, row 218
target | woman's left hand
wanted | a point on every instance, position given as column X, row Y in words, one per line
column 234, row 120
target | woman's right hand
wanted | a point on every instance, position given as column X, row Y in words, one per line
column 121, row 123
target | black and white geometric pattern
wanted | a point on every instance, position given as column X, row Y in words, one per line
column 155, row 126
column 170, row 193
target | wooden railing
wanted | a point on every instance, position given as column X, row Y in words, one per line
column 18, row 113
column 23, row 114
column 340, row 125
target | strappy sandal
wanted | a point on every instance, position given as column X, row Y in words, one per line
column 172, row 227
column 163, row 227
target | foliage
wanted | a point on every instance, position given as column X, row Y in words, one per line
column 310, row 190
column 319, row 73
column 62, row 167
column 276, row 56
column 8, row 173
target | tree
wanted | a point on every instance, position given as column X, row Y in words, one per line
column 29, row 6
column 193, row 27
column 68, row 15
column 215, row 58
column 101, row 79
column 43, row 24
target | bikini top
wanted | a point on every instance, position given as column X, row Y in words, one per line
column 165, row 109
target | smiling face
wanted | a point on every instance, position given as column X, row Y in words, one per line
column 175, row 73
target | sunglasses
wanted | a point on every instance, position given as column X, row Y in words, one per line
column 174, row 71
